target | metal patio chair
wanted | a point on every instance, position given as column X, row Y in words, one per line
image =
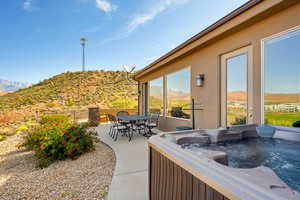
column 152, row 122
column 117, row 128
column 123, row 113
column 140, row 126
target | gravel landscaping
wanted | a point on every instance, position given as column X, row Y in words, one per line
column 88, row 177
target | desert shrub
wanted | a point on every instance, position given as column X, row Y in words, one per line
column 51, row 104
column 124, row 103
column 57, row 142
column 2, row 138
column 7, row 131
column 52, row 119
column 22, row 129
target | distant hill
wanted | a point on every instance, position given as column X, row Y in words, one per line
column 237, row 96
column 275, row 98
column 3, row 93
column 282, row 98
column 11, row 86
column 73, row 90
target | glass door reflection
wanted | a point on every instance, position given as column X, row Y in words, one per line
column 237, row 94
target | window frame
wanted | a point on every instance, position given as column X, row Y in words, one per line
column 248, row 51
column 262, row 47
column 165, row 92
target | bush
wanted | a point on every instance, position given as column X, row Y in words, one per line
column 21, row 129
column 57, row 142
column 2, row 138
column 7, row 131
column 55, row 119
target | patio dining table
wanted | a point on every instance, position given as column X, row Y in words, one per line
column 133, row 119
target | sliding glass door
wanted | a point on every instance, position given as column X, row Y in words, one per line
column 236, row 72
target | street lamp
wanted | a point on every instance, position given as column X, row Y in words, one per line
column 83, row 42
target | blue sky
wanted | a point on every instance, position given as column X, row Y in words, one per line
column 237, row 73
column 282, row 67
column 40, row 38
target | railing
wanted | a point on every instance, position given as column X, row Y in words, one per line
column 115, row 111
column 83, row 115
column 14, row 119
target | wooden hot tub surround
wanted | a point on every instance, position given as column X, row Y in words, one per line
column 180, row 174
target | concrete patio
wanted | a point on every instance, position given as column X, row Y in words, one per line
column 130, row 180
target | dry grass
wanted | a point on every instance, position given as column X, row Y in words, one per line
column 88, row 177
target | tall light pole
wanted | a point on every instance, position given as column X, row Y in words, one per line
column 83, row 42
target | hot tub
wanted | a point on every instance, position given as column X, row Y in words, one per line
column 224, row 164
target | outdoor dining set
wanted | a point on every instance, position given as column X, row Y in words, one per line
column 126, row 125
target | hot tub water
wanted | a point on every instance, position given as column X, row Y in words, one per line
column 282, row 156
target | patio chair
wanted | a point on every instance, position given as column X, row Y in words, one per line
column 123, row 113
column 140, row 126
column 117, row 128
column 152, row 123
column 111, row 119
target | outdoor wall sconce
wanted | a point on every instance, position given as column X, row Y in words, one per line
column 200, row 80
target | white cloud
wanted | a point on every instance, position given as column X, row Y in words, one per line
column 105, row 6
column 142, row 18
column 150, row 14
column 27, row 5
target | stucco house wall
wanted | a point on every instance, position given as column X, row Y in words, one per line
column 203, row 56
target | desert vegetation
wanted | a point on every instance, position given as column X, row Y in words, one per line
column 57, row 138
column 69, row 92
column 55, row 159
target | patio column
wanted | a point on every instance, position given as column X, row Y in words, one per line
column 94, row 116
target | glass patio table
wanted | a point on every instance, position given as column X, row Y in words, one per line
column 134, row 119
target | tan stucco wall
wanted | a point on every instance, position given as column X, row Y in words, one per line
column 206, row 61
column 170, row 123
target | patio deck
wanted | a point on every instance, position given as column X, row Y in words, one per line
column 130, row 180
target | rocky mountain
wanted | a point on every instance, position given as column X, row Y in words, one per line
column 73, row 90
column 11, row 86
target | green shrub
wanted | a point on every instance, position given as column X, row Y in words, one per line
column 57, row 142
column 55, row 119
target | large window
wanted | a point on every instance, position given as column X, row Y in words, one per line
column 176, row 102
column 282, row 79
column 156, row 95
column 179, row 94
